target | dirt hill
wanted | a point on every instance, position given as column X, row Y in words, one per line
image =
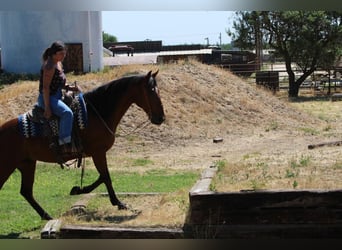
column 199, row 100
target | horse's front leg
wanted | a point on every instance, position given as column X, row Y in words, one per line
column 100, row 162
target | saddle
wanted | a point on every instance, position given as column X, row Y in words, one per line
column 34, row 124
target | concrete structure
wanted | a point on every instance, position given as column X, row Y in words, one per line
column 24, row 35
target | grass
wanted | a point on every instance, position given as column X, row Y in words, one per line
column 52, row 187
column 51, row 190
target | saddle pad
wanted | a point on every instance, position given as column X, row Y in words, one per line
column 79, row 108
column 29, row 128
column 32, row 127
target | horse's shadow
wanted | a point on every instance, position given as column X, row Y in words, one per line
column 12, row 236
column 115, row 219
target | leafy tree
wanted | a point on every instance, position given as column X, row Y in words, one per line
column 226, row 46
column 306, row 39
column 107, row 38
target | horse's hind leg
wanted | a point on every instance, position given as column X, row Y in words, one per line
column 5, row 172
column 27, row 170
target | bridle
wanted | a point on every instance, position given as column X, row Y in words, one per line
column 149, row 109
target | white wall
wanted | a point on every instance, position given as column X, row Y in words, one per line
column 24, row 35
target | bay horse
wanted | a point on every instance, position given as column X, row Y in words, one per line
column 106, row 106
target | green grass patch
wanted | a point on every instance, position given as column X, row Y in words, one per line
column 51, row 190
column 52, row 187
column 142, row 162
column 154, row 181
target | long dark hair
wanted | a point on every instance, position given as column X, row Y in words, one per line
column 53, row 49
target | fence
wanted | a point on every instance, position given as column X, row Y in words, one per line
column 268, row 79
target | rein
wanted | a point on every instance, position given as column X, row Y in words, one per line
column 101, row 119
column 140, row 127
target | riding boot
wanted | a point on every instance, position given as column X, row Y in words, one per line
column 58, row 153
column 53, row 143
column 66, row 148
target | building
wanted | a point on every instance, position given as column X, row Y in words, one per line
column 24, row 35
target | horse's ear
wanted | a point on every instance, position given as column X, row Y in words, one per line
column 155, row 73
column 148, row 74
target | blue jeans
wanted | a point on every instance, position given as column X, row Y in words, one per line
column 59, row 108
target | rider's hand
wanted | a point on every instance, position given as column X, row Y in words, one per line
column 74, row 88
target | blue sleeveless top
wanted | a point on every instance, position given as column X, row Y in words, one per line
column 58, row 81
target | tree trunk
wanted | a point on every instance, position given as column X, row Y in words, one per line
column 293, row 88
column 293, row 85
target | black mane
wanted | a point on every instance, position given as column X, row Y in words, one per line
column 105, row 97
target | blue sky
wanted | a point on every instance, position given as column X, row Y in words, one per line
column 172, row 27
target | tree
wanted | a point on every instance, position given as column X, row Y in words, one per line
column 306, row 39
column 107, row 38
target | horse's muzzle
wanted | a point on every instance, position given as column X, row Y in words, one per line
column 157, row 120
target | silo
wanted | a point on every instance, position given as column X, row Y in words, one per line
column 25, row 35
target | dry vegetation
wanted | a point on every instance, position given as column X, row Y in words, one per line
column 265, row 137
column 154, row 210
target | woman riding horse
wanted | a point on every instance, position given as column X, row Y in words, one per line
column 106, row 105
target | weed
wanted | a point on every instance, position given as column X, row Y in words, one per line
column 295, row 166
column 327, row 128
column 337, row 165
column 272, row 126
column 290, row 173
column 264, row 169
column 256, row 185
column 220, row 164
column 323, row 117
column 310, row 131
column 248, row 156
column 219, row 121
column 304, row 161
column 212, row 187
column 142, row 162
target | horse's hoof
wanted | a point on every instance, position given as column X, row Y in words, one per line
column 122, row 206
column 75, row 190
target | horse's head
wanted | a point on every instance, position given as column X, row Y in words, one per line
column 150, row 100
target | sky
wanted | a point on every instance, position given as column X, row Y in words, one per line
column 172, row 27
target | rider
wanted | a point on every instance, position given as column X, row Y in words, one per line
column 52, row 81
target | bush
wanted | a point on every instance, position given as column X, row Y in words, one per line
column 9, row 78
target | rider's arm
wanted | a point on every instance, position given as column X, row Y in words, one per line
column 47, row 78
